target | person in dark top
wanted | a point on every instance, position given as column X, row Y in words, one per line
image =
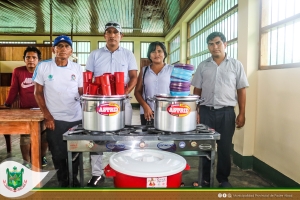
column 22, row 87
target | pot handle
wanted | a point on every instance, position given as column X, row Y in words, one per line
column 109, row 172
column 187, row 167
column 200, row 100
column 77, row 99
column 150, row 99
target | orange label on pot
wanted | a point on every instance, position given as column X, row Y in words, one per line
column 108, row 109
column 179, row 110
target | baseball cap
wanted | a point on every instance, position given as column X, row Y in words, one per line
column 113, row 24
column 62, row 38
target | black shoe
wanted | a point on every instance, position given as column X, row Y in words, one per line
column 225, row 184
column 205, row 184
column 95, row 180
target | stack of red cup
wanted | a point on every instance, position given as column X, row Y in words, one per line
column 107, row 84
column 87, row 79
column 119, row 81
column 97, row 80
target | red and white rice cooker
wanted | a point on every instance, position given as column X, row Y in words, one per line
column 146, row 169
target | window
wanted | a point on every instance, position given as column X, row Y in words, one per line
column 218, row 15
column 81, row 51
column 175, row 49
column 126, row 45
column 144, row 49
column 17, row 42
column 280, row 30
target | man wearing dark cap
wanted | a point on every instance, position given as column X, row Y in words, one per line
column 109, row 59
column 57, row 82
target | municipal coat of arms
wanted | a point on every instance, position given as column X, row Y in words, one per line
column 15, row 179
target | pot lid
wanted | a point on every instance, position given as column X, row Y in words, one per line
column 103, row 97
column 147, row 163
column 168, row 97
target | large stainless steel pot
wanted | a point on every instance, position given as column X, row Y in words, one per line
column 103, row 113
column 174, row 113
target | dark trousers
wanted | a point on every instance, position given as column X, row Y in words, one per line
column 223, row 121
column 58, row 148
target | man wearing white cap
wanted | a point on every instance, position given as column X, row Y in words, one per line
column 57, row 82
column 109, row 59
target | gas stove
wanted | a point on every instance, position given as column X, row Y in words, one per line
column 142, row 137
column 200, row 142
column 140, row 129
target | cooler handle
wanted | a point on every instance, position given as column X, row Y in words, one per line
column 109, row 172
column 187, row 167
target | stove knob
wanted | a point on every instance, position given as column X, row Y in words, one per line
column 142, row 144
column 193, row 143
column 90, row 144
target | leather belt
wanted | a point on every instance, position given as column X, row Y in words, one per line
column 218, row 109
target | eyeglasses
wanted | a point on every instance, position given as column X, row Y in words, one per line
column 113, row 24
column 60, row 46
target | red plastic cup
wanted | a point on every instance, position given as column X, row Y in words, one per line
column 85, row 87
column 120, row 88
column 100, row 90
column 119, row 77
column 87, row 77
column 97, row 80
column 112, row 82
column 105, row 79
column 113, row 88
column 93, row 89
column 106, row 90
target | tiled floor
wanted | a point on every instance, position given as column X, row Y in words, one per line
column 238, row 178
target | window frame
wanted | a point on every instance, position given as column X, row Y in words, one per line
column 210, row 20
column 263, row 38
column 172, row 52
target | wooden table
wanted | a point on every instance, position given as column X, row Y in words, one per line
column 24, row 121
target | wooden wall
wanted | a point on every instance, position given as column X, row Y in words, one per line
column 16, row 53
column 3, row 96
column 5, row 79
column 144, row 62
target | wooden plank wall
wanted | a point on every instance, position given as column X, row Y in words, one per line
column 3, row 96
column 144, row 62
column 16, row 53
